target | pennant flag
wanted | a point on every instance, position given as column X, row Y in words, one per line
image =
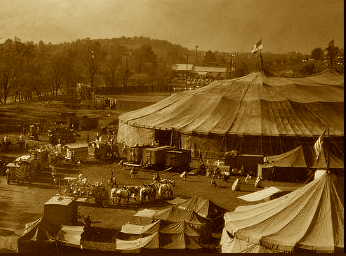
column 257, row 47
column 318, row 145
column 330, row 45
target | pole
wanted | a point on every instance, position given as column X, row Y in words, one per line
column 328, row 157
column 261, row 61
column 92, row 69
column 187, row 68
column 126, row 69
column 196, row 55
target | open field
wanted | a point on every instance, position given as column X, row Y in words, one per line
column 20, row 204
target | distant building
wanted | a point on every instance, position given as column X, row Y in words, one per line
column 203, row 71
column 215, row 72
column 182, row 68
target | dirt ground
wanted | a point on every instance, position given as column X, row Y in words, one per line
column 20, row 204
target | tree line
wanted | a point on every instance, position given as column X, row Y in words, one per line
column 30, row 70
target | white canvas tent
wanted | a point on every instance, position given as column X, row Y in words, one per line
column 254, row 114
column 309, row 219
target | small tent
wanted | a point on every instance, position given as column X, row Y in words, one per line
column 175, row 214
column 288, row 166
column 309, row 219
column 160, row 235
column 204, row 207
column 38, row 237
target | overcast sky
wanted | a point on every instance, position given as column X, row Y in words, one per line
column 217, row 25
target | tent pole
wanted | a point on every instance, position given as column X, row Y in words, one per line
column 261, row 146
column 171, row 137
column 241, row 145
column 328, row 157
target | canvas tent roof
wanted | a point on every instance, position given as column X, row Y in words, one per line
column 70, row 235
column 175, row 214
column 292, row 158
column 204, row 207
column 310, row 218
column 255, row 105
column 37, row 232
column 159, row 235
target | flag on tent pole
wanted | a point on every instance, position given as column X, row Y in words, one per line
column 257, row 47
column 330, row 45
column 318, row 145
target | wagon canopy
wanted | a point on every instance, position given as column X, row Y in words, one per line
column 256, row 105
column 309, row 219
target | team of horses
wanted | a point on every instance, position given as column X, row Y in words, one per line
column 142, row 193
column 162, row 188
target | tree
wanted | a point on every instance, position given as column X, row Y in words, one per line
column 10, row 67
column 317, row 54
column 307, row 69
column 209, row 58
column 332, row 52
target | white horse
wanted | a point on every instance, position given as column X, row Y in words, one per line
column 166, row 190
column 147, row 191
column 119, row 194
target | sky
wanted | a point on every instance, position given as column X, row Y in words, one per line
column 216, row 25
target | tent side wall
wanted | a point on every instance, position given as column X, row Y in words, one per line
column 214, row 146
column 131, row 135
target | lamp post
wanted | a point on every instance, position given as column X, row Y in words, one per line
column 231, row 64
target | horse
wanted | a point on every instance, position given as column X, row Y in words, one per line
column 226, row 176
column 122, row 193
column 145, row 192
column 166, row 190
column 134, row 191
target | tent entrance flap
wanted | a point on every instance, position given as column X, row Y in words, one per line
column 163, row 137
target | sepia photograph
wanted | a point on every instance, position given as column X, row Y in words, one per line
column 172, row 126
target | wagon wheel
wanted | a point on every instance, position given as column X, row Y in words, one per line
column 105, row 203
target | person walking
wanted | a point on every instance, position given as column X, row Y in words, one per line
column 213, row 182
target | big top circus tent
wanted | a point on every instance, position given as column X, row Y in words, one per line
column 254, row 114
column 309, row 219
